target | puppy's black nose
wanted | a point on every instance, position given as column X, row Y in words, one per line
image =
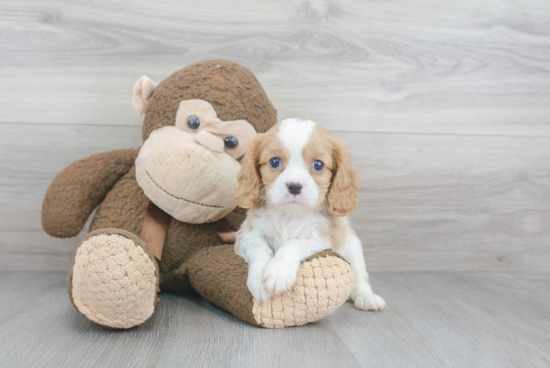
column 294, row 188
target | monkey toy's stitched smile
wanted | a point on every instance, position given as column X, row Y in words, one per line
column 183, row 199
column 188, row 174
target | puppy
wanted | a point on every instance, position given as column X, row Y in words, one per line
column 299, row 185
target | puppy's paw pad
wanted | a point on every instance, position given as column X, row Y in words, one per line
column 370, row 302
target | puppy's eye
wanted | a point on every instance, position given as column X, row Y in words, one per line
column 231, row 142
column 318, row 165
column 193, row 122
column 275, row 163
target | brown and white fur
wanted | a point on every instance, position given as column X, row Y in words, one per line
column 297, row 208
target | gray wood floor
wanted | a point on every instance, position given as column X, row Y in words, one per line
column 432, row 320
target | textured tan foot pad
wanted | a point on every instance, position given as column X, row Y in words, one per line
column 323, row 284
column 114, row 281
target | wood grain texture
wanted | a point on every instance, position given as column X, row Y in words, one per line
column 428, row 202
column 445, row 107
column 444, row 202
column 469, row 67
column 452, row 320
column 432, row 320
column 32, row 154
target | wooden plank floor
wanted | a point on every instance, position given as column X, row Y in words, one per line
column 432, row 320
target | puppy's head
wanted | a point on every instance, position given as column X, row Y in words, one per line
column 298, row 165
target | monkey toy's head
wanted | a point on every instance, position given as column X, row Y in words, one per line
column 198, row 124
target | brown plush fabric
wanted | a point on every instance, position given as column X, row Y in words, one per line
column 235, row 94
column 219, row 275
column 78, row 189
column 193, row 257
column 125, row 207
column 231, row 89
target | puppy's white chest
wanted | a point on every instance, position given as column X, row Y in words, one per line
column 280, row 226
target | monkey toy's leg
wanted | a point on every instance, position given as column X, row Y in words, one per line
column 114, row 283
column 324, row 283
column 114, row 279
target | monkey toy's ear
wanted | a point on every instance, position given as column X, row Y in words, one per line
column 143, row 91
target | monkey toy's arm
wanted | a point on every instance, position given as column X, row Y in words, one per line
column 79, row 188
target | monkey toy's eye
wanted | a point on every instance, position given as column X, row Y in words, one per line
column 231, row 142
column 193, row 122
column 318, row 166
column 275, row 162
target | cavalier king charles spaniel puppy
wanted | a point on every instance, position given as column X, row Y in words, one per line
column 299, row 185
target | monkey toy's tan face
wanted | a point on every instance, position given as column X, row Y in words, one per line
column 189, row 170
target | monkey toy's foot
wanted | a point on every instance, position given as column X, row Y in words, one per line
column 114, row 279
column 323, row 283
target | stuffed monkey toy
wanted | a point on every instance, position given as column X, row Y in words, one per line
column 166, row 217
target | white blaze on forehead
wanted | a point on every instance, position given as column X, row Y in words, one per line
column 294, row 135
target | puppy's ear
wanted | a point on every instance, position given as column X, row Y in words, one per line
column 342, row 197
column 248, row 194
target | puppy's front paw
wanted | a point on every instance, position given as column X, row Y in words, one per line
column 280, row 275
column 371, row 302
column 256, row 286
